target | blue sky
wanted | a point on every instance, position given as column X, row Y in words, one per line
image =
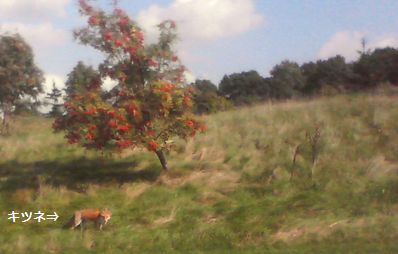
column 217, row 37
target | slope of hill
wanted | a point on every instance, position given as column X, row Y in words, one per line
column 316, row 176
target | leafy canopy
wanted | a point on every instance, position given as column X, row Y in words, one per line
column 150, row 103
column 19, row 76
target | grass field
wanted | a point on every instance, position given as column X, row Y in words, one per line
column 317, row 176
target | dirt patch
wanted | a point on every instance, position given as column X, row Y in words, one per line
column 135, row 190
column 222, row 180
column 167, row 219
column 294, row 234
column 209, row 198
column 210, row 219
column 324, row 229
column 380, row 167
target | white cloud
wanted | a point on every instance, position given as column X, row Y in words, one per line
column 189, row 77
column 40, row 36
column 203, row 20
column 348, row 43
column 385, row 41
column 109, row 83
column 50, row 78
column 32, row 9
column 345, row 43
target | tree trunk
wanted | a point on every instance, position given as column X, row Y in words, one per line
column 162, row 159
column 5, row 123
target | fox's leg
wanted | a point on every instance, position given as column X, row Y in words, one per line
column 100, row 222
column 77, row 221
column 83, row 223
column 70, row 224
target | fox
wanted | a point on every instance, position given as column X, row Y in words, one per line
column 99, row 217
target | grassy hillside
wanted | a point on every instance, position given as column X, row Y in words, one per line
column 315, row 176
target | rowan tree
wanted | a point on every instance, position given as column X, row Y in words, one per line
column 20, row 78
column 150, row 104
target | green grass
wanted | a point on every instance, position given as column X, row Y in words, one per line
column 234, row 189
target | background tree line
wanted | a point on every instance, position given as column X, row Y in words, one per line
column 21, row 80
column 288, row 80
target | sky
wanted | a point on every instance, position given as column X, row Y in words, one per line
column 216, row 37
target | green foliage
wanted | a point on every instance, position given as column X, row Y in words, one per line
column 80, row 79
column 19, row 76
column 332, row 76
column 377, row 67
column 333, row 72
column 54, row 96
column 150, row 104
column 243, row 88
column 206, row 99
column 286, row 80
column 204, row 86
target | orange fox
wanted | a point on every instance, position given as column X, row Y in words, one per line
column 100, row 218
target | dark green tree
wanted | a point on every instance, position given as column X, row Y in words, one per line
column 332, row 72
column 373, row 68
column 206, row 98
column 286, row 80
column 80, row 79
column 205, row 86
column 54, row 97
column 20, row 78
column 244, row 87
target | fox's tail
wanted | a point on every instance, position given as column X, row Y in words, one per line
column 70, row 223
